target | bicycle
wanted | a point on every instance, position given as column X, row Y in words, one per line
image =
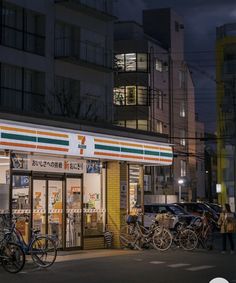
column 42, row 248
column 136, row 236
column 12, row 257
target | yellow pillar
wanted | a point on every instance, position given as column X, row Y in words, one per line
column 117, row 187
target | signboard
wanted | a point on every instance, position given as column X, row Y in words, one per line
column 48, row 164
column 51, row 140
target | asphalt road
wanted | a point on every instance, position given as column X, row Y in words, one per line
column 131, row 266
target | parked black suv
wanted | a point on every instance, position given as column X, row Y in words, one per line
column 198, row 208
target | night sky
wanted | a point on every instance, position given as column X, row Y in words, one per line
column 201, row 17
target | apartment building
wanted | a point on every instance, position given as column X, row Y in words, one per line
column 154, row 92
column 226, row 109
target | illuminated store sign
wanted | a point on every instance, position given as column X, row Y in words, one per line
column 49, row 140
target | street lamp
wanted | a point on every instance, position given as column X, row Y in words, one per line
column 180, row 182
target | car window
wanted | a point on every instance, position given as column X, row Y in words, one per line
column 176, row 209
column 162, row 209
column 155, row 209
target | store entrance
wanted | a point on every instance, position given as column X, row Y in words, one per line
column 53, row 203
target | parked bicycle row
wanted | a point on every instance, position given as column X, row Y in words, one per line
column 161, row 235
column 14, row 248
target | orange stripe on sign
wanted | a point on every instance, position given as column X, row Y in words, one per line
column 159, row 148
column 151, row 158
column 118, row 143
column 118, row 155
column 18, row 144
column 52, row 148
column 80, row 137
column 52, row 134
column 18, row 130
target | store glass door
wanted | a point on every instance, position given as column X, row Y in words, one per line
column 47, row 207
column 73, row 212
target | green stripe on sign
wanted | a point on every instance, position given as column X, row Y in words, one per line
column 18, row 137
column 132, row 150
column 148, row 152
column 53, row 141
column 166, row 154
column 106, row 147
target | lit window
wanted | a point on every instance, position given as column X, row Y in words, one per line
column 119, row 96
column 182, row 112
column 131, row 95
column 143, row 125
column 142, row 61
column 183, row 168
column 131, row 124
column 130, row 62
column 120, row 62
column 159, row 127
column 183, row 137
column 158, row 65
column 142, row 95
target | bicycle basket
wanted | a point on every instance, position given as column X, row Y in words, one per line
column 165, row 220
column 131, row 219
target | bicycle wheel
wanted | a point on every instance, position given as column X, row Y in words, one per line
column 162, row 239
column 128, row 237
column 43, row 251
column 188, row 239
column 13, row 257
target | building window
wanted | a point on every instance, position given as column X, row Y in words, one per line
column 67, row 97
column 183, row 168
column 183, row 137
column 4, row 182
column 159, row 127
column 120, row 62
column 22, row 29
column 143, row 125
column 131, row 62
column 182, row 79
column 176, row 26
column 131, row 124
column 159, row 100
column 120, row 123
column 158, row 65
column 182, row 112
column 130, row 95
column 142, row 61
column 22, row 89
column 119, row 96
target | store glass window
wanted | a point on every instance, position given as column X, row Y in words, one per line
column 135, row 180
column 94, row 198
column 4, row 183
column 142, row 64
column 183, row 137
column 142, row 95
column 183, row 168
column 159, row 127
column 119, row 96
column 130, row 62
column 131, row 95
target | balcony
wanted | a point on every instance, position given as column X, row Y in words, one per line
column 102, row 9
column 83, row 53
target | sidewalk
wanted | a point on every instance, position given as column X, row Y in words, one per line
column 87, row 254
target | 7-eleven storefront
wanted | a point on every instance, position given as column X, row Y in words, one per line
column 73, row 183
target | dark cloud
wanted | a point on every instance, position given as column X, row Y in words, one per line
column 201, row 17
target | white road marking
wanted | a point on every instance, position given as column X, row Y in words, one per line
column 156, row 262
column 138, row 259
column 178, row 265
column 200, row 267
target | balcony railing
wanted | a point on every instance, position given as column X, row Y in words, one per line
column 102, row 6
column 67, row 48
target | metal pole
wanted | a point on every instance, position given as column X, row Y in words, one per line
column 179, row 193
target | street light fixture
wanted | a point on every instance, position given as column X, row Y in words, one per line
column 180, row 182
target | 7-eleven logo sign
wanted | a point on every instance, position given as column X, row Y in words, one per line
column 82, row 144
